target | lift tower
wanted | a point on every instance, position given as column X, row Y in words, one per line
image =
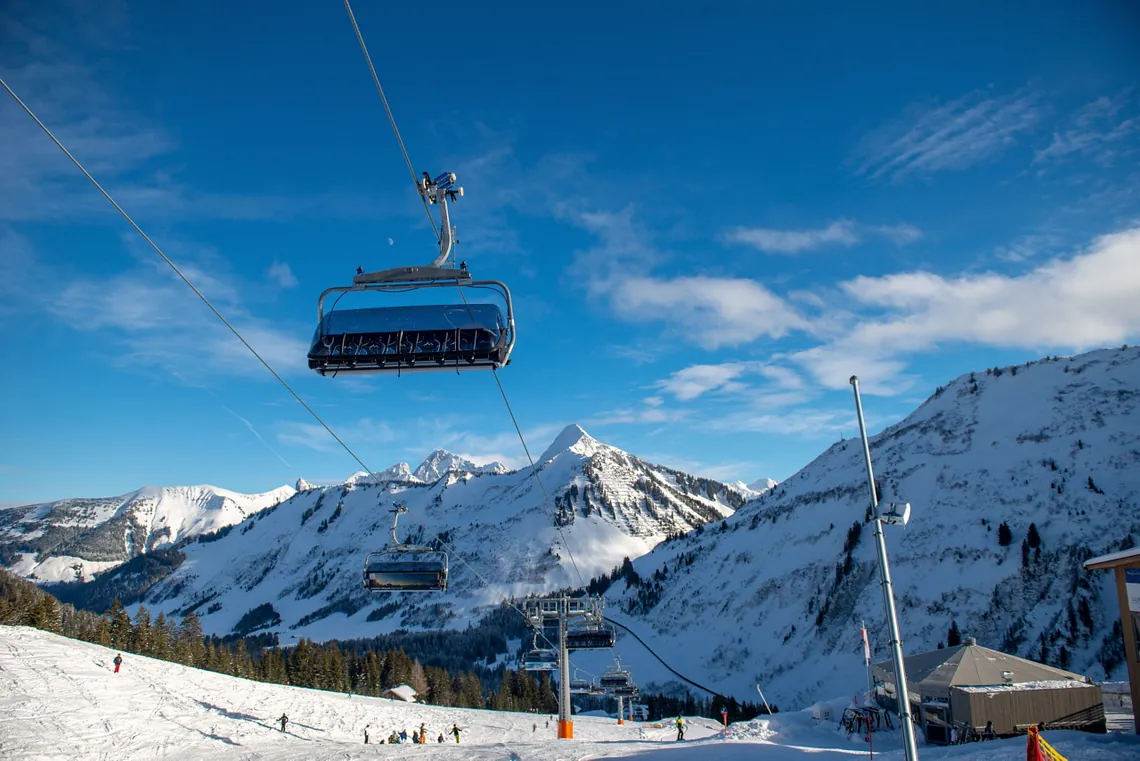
column 562, row 609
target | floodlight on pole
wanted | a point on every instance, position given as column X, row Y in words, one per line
column 896, row 514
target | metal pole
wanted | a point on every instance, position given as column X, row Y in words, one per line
column 766, row 706
column 867, row 660
column 888, row 594
column 565, row 725
column 621, row 710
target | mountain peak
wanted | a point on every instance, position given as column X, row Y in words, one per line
column 573, row 438
column 441, row 462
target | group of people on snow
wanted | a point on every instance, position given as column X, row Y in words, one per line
column 419, row 736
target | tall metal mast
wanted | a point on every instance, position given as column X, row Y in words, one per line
column 885, row 582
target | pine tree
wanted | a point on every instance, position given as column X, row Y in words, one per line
column 1005, row 536
column 953, row 636
column 1024, row 553
column 120, row 626
column 141, row 634
column 1032, row 537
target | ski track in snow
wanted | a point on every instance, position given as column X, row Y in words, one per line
column 60, row 700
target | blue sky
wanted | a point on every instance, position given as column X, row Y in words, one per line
column 710, row 217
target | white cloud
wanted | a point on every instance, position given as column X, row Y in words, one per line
column 282, row 274
column 840, row 232
column 1091, row 299
column 713, row 312
column 391, row 242
column 1088, row 300
column 950, row 136
column 689, row 383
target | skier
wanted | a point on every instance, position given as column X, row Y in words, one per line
column 455, row 731
column 365, row 734
column 118, row 662
column 680, row 729
column 423, row 732
column 284, row 721
column 440, row 738
column 534, row 727
column 988, row 733
column 403, row 735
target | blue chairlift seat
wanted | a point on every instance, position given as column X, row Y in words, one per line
column 599, row 637
column 402, row 339
column 540, row 660
column 614, row 678
column 406, row 571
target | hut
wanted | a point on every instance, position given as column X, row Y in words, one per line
column 401, row 692
column 969, row 685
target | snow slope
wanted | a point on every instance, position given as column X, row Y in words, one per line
column 770, row 595
column 59, row 700
column 305, row 557
column 44, row 541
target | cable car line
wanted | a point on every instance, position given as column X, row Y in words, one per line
column 661, row 660
column 391, row 118
column 233, row 329
column 444, row 233
column 205, row 300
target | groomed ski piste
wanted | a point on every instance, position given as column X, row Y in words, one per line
column 59, row 699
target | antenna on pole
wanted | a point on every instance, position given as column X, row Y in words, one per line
column 896, row 514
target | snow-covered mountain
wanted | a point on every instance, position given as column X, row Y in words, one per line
column 303, row 559
column 441, row 462
column 774, row 594
column 754, row 489
column 56, row 541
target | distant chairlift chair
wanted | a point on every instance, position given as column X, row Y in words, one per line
column 540, row 659
column 400, row 339
column 404, row 567
column 599, row 637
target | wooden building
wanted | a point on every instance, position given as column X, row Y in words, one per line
column 970, row 685
column 1126, row 567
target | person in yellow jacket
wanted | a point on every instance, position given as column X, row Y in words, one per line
column 680, row 729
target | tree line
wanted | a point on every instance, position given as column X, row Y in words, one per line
column 323, row 666
column 362, row 667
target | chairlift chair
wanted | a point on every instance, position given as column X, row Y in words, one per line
column 400, row 339
column 539, row 658
column 626, row 691
column 599, row 637
column 615, row 677
column 404, row 567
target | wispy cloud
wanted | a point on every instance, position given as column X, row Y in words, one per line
column 258, row 436
column 153, row 321
column 900, row 234
column 691, row 382
column 360, row 433
column 1097, row 131
column 840, row 232
column 282, row 274
column 928, row 138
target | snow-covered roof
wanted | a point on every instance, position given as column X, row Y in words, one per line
column 401, row 692
column 1114, row 559
column 933, row 673
column 1045, row 684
